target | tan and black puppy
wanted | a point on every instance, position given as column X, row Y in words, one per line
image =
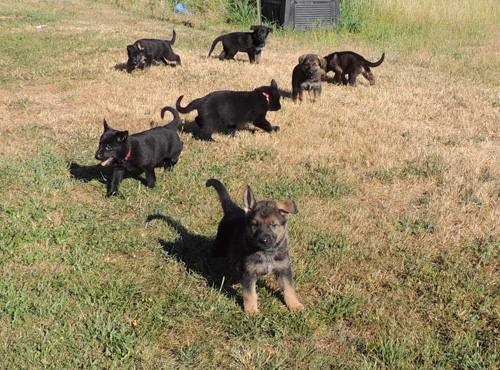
column 257, row 238
column 306, row 76
column 349, row 63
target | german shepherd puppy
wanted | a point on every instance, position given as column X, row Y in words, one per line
column 257, row 238
column 143, row 51
column 251, row 43
column 306, row 76
column 142, row 151
column 349, row 63
column 228, row 111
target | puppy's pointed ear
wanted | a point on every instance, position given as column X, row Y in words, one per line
column 301, row 58
column 322, row 62
column 140, row 46
column 287, row 206
column 274, row 85
column 253, row 28
column 121, row 136
column 249, row 200
column 106, row 126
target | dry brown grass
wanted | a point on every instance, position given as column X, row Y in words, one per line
column 418, row 152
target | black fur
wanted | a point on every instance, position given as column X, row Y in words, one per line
column 257, row 238
column 228, row 111
column 144, row 51
column 350, row 63
column 251, row 43
column 139, row 152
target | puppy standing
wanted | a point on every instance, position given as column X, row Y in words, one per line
column 306, row 76
column 145, row 50
column 228, row 111
column 349, row 63
column 141, row 151
column 258, row 239
column 251, row 43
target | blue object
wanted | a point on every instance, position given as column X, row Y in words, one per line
column 181, row 9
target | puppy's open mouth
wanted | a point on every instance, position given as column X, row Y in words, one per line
column 107, row 162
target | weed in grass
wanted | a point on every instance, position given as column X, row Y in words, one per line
column 416, row 226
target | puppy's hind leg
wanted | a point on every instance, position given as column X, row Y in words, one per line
column 367, row 73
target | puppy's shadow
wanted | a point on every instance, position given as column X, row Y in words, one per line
column 285, row 93
column 103, row 174
column 89, row 173
column 194, row 252
column 121, row 67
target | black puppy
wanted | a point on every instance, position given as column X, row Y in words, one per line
column 228, row 111
column 251, row 43
column 350, row 63
column 306, row 76
column 145, row 50
column 257, row 238
column 141, row 151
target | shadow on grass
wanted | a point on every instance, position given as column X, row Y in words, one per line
column 194, row 251
column 104, row 174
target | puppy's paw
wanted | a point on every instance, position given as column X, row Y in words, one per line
column 296, row 306
column 252, row 311
column 276, row 128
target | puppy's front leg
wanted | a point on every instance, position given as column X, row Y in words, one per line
column 285, row 280
column 115, row 181
column 264, row 124
column 249, row 294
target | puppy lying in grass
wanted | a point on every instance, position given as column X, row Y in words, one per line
column 257, row 238
column 228, row 111
column 139, row 152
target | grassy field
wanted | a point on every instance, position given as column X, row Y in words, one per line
column 396, row 246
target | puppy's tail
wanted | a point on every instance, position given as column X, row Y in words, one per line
column 227, row 203
column 213, row 45
column 171, row 42
column 375, row 64
column 188, row 108
column 175, row 122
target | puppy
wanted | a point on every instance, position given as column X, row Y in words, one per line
column 349, row 63
column 139, row 152
column 251, row 43
column 257, row 238
column 228, row 111
column 306, row 76
column 145, row 50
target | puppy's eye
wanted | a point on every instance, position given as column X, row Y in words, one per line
column 255, row 224
column 274, row 225
column 108, row 147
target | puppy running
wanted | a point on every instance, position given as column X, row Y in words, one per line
column 141, row 151
column 257, row 238
column 306, row 76
column 251, row 43
column 349, row 63
column 228, row 111
column 142, row 52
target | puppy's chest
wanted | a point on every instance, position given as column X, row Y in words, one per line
column 263, row 263
column 311, row 84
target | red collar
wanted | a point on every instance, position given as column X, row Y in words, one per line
column 266, row 95
column 128, row 154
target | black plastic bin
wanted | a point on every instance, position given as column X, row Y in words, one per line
column 302, row 14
